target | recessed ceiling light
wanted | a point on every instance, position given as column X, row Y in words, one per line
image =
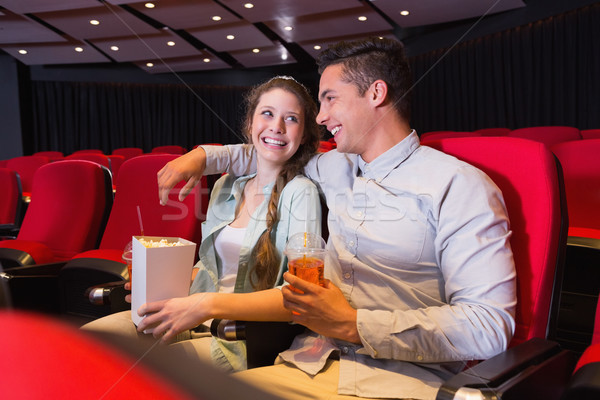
column 230, row 37
column 256, row 50
column 170, row 43
column 79, row 49
column 94, row 22
column 216, row 18
column 149, row 5
column 22, row 51
column 404, row 12
column 362, row 18
column 206, row 60
column 149, row 65
column 317, row 47
column 249, row 5
column 288, row 28
column 284, row 56
column 114, row 48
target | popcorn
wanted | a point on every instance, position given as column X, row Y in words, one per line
column 161, row 243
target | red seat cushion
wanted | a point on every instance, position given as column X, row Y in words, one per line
column 40, row 253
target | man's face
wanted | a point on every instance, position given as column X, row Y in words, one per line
column 343, row 111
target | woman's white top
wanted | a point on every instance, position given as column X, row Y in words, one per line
column 228, row 244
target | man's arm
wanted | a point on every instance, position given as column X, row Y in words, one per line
column 204, row 160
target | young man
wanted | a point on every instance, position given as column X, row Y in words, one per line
column 421, row 274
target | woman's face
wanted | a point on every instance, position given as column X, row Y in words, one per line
column 277, row 126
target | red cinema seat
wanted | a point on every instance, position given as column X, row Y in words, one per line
column 585, row 382
column 581, row 166
column 170, row 149
column 26, row 167
column 10, row 203
column 590, row 134
column 446, row 135
column 90, row 156
column 549, row 135
column 530, row 180
column 87, row 151
column 70, row 203
column 128, row 152
column 68, row 363
column 493, row 131
column 136, row 186
column 52, row 155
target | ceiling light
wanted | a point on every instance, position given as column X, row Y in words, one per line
column 114, row 48
column 317, row 47
column 149, row 65
column 216, row 18
column 362, row 18
column 249, row 5
column 170, row 43
column 94, row 22
column 149, row 5
column 230, row 37
column 79, row 49
column 256, row 50
column 206, row 60
column 22, row 51
column 284, row 56
column 404, row 12
column 288, row 28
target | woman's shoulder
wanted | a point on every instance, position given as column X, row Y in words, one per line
column 300, row 182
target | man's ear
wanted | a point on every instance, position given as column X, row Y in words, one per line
column 378, row 92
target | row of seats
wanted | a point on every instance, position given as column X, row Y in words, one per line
column 549, row 135
column 73, row 218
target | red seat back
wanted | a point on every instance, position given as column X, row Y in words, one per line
column 171, row 149
column 70, row 202
column 493, row 131
column 128, row 152
column 52, row 155
column 549, row 135
column 581, row 166
column 526, row 172
column 447, row 134
column 136, row 186
column 10, row 200
column 93, row 157
column 590, row 134
column 26, row 167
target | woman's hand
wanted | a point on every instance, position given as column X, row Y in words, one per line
column 188, row 167
column 167, row 318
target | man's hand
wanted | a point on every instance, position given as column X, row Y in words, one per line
column 167, row 318
column 188, row 167
column 324, row 310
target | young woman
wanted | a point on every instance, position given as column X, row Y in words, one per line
column 247, row 226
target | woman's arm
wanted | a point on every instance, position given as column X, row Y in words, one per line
column 166, row 318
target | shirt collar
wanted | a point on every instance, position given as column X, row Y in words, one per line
column 381, row 166
column 240, row 183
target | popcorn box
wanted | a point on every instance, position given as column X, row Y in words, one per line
column 160, row 272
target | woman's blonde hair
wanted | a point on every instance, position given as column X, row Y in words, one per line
column 267, row 259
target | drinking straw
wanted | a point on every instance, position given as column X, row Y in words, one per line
column 140, row 220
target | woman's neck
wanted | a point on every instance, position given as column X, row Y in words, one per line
column 266, row 173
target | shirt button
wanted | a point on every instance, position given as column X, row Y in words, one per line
column 351, row 243
column 359, row 214
column 347, row 275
